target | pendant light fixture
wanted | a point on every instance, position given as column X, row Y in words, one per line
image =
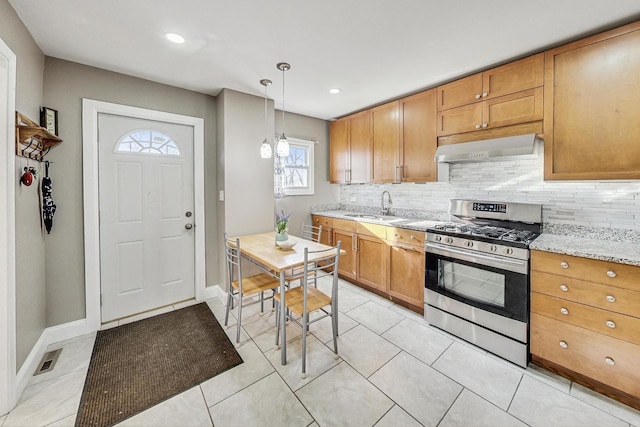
column 265, row 148
column 282, row 148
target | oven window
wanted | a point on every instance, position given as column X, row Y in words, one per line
column 486, row 287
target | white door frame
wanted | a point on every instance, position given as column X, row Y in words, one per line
column 90, row 110
column 7, row 235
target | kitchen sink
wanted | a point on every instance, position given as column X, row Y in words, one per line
column 373, row 217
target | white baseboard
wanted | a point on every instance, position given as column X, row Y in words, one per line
column 49, row 336
column 215, row 291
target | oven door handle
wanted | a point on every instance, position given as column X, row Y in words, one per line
column 516, row 266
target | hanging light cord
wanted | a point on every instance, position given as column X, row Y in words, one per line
column 265, row 110
column 283, row 70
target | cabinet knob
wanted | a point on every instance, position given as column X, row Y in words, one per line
column 563, row 344
column 611, row 324
column 412, row 238
column 609, row 361
column 611, row 273
column 478, row 96
column 484, row 95
column 564, row 311
column 611, row 298
column 564, row 288
column 484, row 125
column 564, row 265
column 477, row 126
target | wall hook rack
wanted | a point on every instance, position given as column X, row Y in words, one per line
column 32, row 140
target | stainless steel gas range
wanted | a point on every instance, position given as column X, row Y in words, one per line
column 477, row 275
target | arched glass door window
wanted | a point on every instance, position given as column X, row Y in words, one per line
column 147, row 141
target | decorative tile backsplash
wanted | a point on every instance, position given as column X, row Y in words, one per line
column 610, row 204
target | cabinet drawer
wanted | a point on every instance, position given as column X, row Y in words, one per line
column 619, row 326
column 603, row 358
column 324, row 221
column 409, row 237
column 592, row 270
column 374, row 230
column 607, row 297
column 344, row 224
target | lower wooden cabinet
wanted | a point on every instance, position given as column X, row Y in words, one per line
column 406, row 273
column 347, row 263
column 585, row 322
column 605, row 359
column 383, row 259
column 372, row 262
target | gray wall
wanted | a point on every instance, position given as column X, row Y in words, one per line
column 247, row 179
column 303, row 127
column 30, row 248
column 65, row 84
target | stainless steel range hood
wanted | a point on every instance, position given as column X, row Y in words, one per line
column 491, row 148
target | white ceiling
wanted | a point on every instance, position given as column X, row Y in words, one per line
column 374, row 50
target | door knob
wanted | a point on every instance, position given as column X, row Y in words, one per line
column 188, row 226
column 188, row 214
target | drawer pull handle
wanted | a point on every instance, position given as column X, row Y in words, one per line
column 609, row 361
column 564, row 265
column 563, row 344
column 611, row 298
column 564, row 288
column 611, row 324
column 611, row 273
column 564, row 311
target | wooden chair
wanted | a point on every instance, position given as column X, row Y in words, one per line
column 304, row 299
column 242, row 288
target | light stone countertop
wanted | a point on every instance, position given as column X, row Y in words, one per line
column 621, row 246
column 624, row 252
column 390, row 220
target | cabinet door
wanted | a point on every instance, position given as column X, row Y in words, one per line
column 338, row 151
column 418, row 140
column 520, row 107
column 347, row 264
column 516, row 76
column 360, row 147
column 386, row 142
column 371, row 255
column 462, row 119
column 460, row 92
column 591, row 124
column 406, row 274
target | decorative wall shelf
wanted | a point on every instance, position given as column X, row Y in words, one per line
column 32, row 140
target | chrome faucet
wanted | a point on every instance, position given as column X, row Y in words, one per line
column 385, row 211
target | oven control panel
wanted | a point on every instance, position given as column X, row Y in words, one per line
column 490, row 207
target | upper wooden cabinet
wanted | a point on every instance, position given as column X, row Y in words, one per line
column 404, row 139
column 386, row 142
column 592, row 107
column 503, row 96
column 418, row 141
column 350, row 149
column 513, row 77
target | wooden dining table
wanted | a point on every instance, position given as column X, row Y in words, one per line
column 261, row 248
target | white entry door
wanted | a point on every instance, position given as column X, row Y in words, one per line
column 146, row 214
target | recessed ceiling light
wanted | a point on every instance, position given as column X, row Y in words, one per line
column 176, row 38
column 334, row 91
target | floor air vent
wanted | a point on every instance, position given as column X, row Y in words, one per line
column 48, row 361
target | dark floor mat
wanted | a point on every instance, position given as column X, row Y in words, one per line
column 138, row 365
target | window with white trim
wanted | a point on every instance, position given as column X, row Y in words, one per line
column 298, row 168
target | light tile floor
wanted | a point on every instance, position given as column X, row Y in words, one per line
column 394, row 370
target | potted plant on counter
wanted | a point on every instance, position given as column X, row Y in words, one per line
column 282, row 220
